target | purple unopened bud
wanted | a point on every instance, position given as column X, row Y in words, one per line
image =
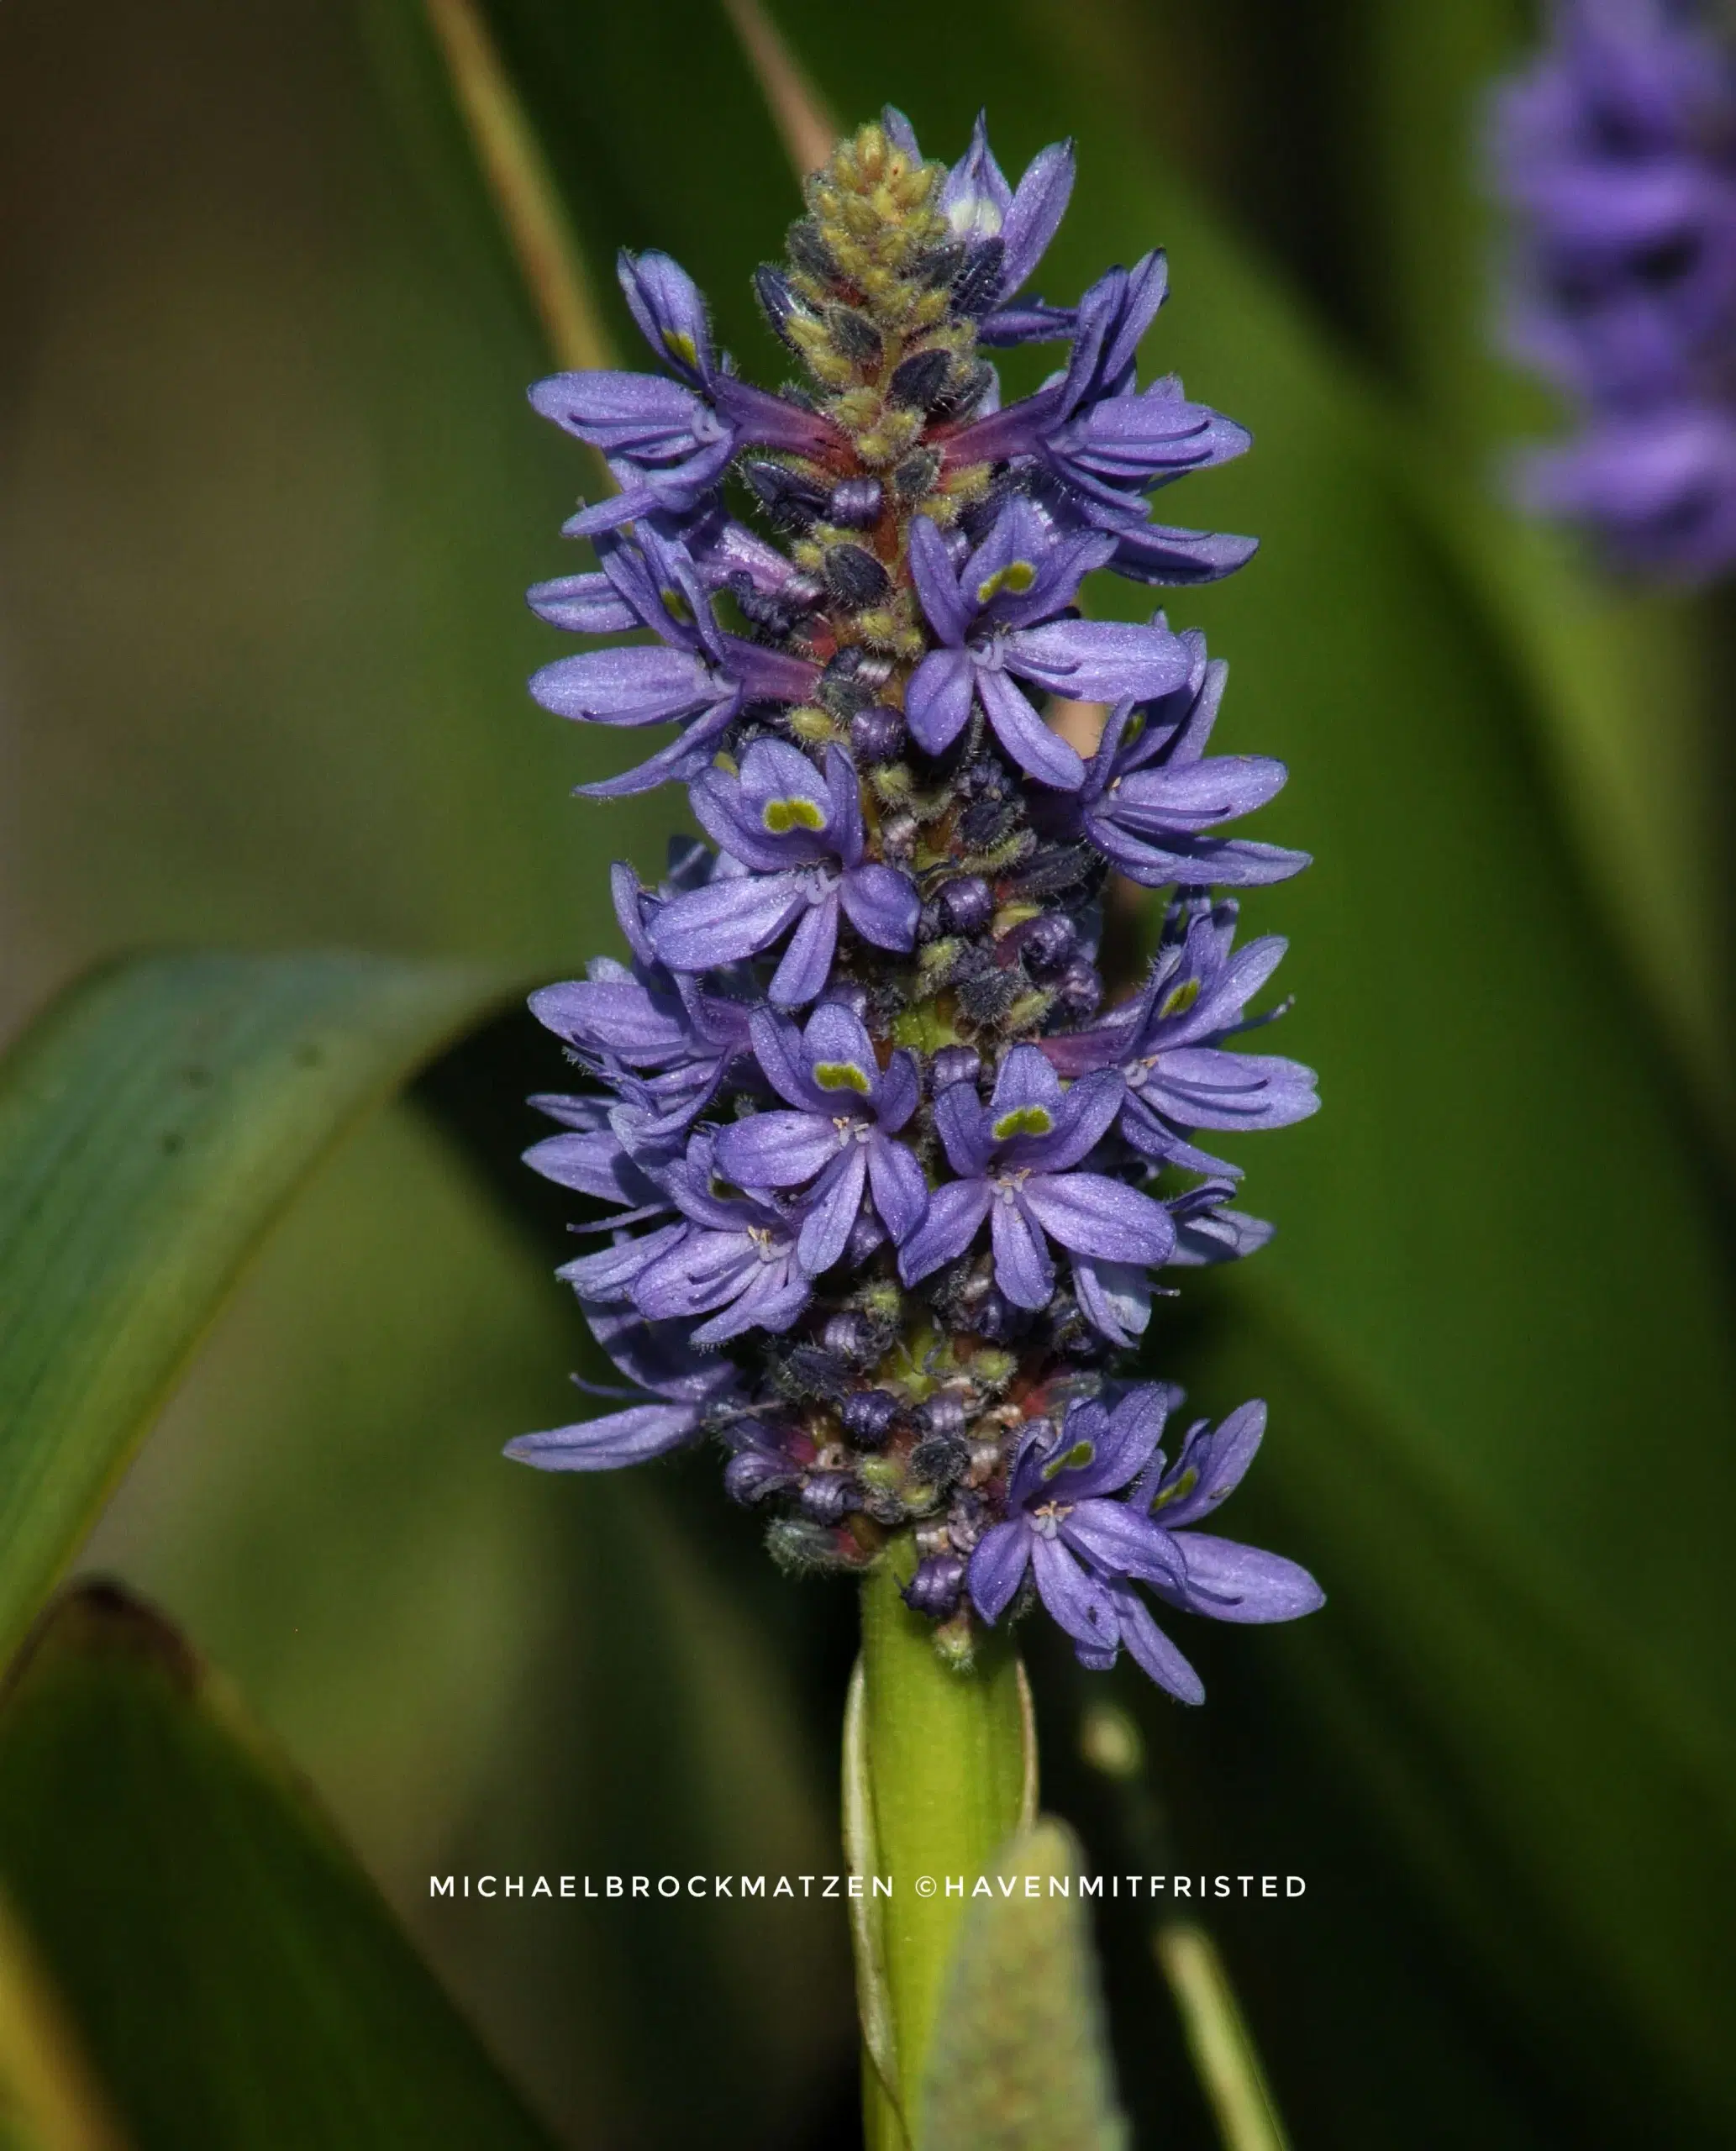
column 1079, row 989
column 934, row 1589
column 868, row 1416
column 966, row 904
column 849, row 1334
column 855, row 505
column 867, row 1236
column 996, row 1318
column 829, row 1497
column 876, row 735
column 1046, row 943
column 942, row 1415
column 954, row 1063
column 847, row 993
column 752, row 1474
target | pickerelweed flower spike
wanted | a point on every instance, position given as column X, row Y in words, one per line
column 878, row 1189
column 1615, row 155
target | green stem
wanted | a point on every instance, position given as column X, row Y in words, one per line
column 940, row 1770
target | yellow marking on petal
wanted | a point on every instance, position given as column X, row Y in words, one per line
column 681, row 345
column 676, row 604
column 1184, row 1485
column 1023, row 1120
column 781, row 816
column 1077, row 1457
column 1181, row 999
column 1018, row 576
column 842, row 1075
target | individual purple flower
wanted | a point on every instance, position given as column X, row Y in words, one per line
column 590, row 1157
column 840, row 1134
column 681, row 1388
column 1658, row 488
column 1153, row 800
column 666, row 1043
column 1168, row 1045
column 1017, row 1161
column 994, row 612
column 725, row 554
column 1005, row 233
column 1086, row 1551
column 734, row 1260
column 698, row 676
column 1107, row 442
column 799, row 834
column 668, row 443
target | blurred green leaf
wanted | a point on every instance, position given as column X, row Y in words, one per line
column 235, row 1978
column 1019, row 2061
column 49, row 2098
column 153, row 1124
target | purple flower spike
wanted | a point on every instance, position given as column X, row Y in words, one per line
column 996, row 617
column 1016, row 1160
column 1152, row 801
column 808, row 1237
column 1086, row 1550
column 838, row 1133
column 799, row 834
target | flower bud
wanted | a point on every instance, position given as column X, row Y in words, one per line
column 966, row 904
column 1079, row 990
column 868, row 1416
column 935, row 1587
column 876, row 734
column 856, row 504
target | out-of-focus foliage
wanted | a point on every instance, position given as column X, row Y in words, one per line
column 272, row 497
column 152, row 1125
column 1019, row 2061
column 234, row 1976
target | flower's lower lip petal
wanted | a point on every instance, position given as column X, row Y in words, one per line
column 1094, row 1215
column 836, row 1200
column 1081, row 1605
column 605, row 1444
column 1023, row 1268
column 1152, row 1650
column 997, row 1567
column 807, row 964
column 1041, row 753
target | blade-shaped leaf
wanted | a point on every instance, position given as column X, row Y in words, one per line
column 152, row 1125
column 1020, row 2062
column 232, row 1974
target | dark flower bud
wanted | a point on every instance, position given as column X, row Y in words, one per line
column 985, row 823
column 853, row 336
column 771, row 287
column 855, row 505
column 855, row 576
column 985, row 779
column 753, row 1474
column 939, row 266
column 996, row 1319
column 966, row 904
column 954, row 1063
column 966, row 389
column 935, row 1588
column 940, row 1461
column 850, row 1335
column 920, row 380
column 916, row 475
column 978, row 283
column 1079, row 989
column 868, row 1416
column 790, row 500
column 809, row 252
column 1048, row 942
column 942, row 1415
column 829, row 1497
column 876, row 734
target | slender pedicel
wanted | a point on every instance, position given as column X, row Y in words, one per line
column 890, row 1186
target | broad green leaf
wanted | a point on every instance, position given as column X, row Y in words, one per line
column 233, row 1977
column 49, row 2097
column 153, row 1124
column 1019, row 2061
